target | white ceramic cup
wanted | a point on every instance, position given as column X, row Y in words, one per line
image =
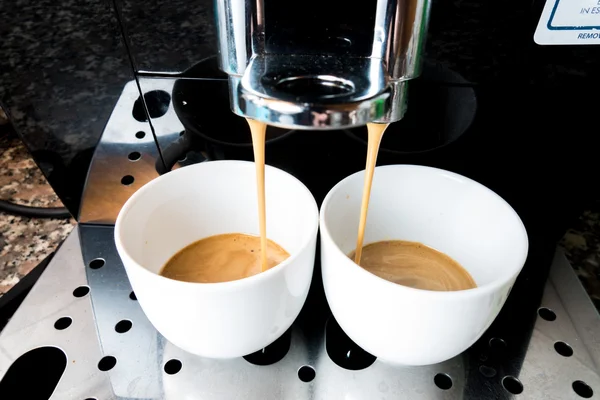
column 441, row 209
column 229, row 319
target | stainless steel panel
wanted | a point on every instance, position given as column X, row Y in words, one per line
column 142, row 354
column 126, row 151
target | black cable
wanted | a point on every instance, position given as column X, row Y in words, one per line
column 33, row 212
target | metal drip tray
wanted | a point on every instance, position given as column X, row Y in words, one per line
column 113, row 352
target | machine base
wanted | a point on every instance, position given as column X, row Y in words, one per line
column 113, row 352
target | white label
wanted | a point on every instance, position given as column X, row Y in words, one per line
column 569, row 22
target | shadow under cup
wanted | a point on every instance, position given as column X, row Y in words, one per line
column 441, row 209
column 228, row 319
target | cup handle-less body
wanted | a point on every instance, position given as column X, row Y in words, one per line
column 226, row 319
column 441, row 209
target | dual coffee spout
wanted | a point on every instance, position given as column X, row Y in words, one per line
column 320, row 64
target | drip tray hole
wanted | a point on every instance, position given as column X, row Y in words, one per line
column 512, row 385
column 582, row 389
column 343, row 351
column 563, row 349
column 273, row 352
column 43, row 367
column 157, row 101
column 443, row 381
column 306, row 373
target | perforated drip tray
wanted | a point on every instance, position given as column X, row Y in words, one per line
column 83, row 319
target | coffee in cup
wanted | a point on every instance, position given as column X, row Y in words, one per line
column 415, row 265
column 222, row 258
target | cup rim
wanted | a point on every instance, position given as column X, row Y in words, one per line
column 492, row 286
column 148, row 187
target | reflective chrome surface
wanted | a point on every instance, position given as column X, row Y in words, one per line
column 331, row 88
column 124, row 159
column 400, row 33
column 145, row 370
column 312, row 91
column 128, row 154
column 239, row 28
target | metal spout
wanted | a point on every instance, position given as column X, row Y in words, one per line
column 290, row 87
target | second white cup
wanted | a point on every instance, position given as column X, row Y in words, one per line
column 441, row 209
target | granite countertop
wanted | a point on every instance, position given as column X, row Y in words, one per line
column 27, row 241
column 24, row 242
column 581, row 244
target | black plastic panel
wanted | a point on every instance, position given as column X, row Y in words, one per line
column 169, row 36
column 62, row 69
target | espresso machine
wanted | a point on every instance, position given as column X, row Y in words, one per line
column 343, row 69
column 109, row 95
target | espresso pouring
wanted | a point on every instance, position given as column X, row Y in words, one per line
column 235, row 256
column 229, row 257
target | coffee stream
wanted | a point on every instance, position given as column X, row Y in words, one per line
column 405, row 263
column 375, row 132
column 258, row 131
column 234, row 256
